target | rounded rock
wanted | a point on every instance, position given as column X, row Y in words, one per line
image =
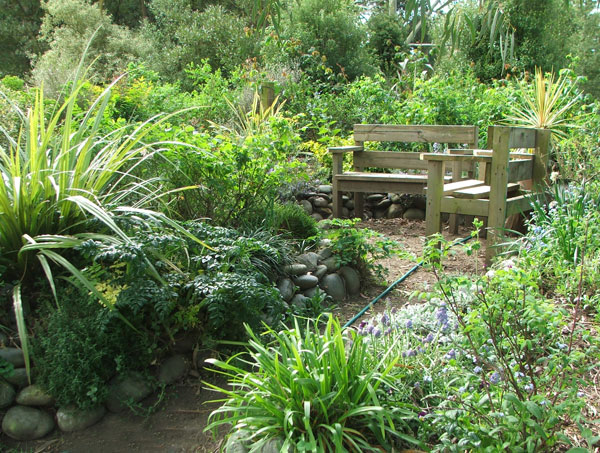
column 295, row 269
column 318, row 217
column 18, row 377
column 375, row 198
column 325, row 253
column 320, row 271
column 309, row 259
column 34, row 395
column 325, row 188
column 320, row 202
column 299, row 302
column 124, row 389
column 333, row 285
column 71, row 418
column 172, row 369
column 7, row 394
column 351, row 279
column 414, row 214
column 307, row 206
column 395, row 211
column 306, row 281
column 286, row 288
column 26, row 423
column 331, row 263
column 14, row 356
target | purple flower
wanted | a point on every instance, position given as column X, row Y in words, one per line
column 387, row 331
column 528, row 387
column 451, row 354
column 370, row 329
column 409, row 324
column 377, row 333
column 428, row 338
column 385, row 319
column 477, row 370
column 394, row 310
column 495, row 377
column 362, row 324
column 428, row 379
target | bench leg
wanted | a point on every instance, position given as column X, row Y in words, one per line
column 435, row 189
column 453, row 223
column 338, row 202
column 359, row 205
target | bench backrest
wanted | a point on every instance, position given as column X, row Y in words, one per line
column 467, row 135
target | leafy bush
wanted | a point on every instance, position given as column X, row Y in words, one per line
column 292, row 218
column 359, row 248
column 310, row 392
column 77, row 351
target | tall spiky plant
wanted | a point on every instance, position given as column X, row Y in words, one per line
column 546, row 106
column 59, row 173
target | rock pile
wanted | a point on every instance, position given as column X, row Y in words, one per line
column 318, row 203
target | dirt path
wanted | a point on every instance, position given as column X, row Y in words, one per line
column 177, row 425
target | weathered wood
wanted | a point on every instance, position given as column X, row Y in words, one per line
column 435, row 188
column 518, row 204
column 344, row 149
column 520, row 170
column 542, row 156
column 337, row 167
column 498, row 182
column 521, row 137
column 389, row 159
column 383, row 177
column 474, row 207
column 459, row 185
column 386, row 185
column 483, row 191
column 453, row 157
column 416, row 133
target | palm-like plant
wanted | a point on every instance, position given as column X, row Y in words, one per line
column 60, row 173
column 546, row 106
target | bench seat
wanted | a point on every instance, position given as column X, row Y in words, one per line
column 357, row 181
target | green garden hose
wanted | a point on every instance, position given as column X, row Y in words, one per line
column 393, row 285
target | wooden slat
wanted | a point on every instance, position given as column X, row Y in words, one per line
column 512, row 155
column 518, row 204
column 482, row 191
column 520, row 170
column 344, row 149
column 372, row 186
column 466, row 207
column 454, row 157
column 435, row 187
column 389, row 159
column 384, row 177
column 412, row 133
column 459, row 185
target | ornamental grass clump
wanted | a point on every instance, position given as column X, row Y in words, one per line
column 309, row 391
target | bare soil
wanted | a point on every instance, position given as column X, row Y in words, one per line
column 177, row 425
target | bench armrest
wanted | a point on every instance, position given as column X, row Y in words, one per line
column 345, row 149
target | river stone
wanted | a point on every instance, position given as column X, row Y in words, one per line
column 71, row 418
column 384, row 204
column 379, row 214
column 333, row 285
column 311, row 291
column 414, row 214
column 26, row 423
column 419, row 201
column 318, row 217
column 124, row 389
column 395, row 197
column 7, row 394
column 351, row 279
column 349, row 204
column 34, row 395
column 310, row 260
column 375, row 198
column 395, row 211
column 272, row 445
column 172, row 369
column 319, row 202
column 325, row 253
column 320, row 271
column 295, row 269
column 307, row 206
column 306, row 281
column 299, row 301
column 235, row 444
column 18, row 377
column 325, row 212
column 286, row 288
column 14, row 356
column 325, row 188
column 331, row 263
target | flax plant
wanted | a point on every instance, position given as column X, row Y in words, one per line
column 65, row 181
column 547, row 105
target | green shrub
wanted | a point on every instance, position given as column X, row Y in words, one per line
column 293, row 219
column 77, row 351
column 359, row 248
column 311, row 392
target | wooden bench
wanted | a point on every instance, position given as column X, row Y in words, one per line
column 505, row 184
column 414, row 181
